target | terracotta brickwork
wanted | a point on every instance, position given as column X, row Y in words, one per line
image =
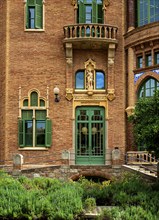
column 37, row 60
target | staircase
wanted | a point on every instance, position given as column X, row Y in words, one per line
column 141, row 162
column 147, row 171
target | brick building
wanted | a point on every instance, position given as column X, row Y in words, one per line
column 70, row 73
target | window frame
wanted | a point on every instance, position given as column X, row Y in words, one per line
column 84, row 88
column 34, row 113
column 34, row 4
column 149, row 89
column 95, row 12
column 139, row 61
column 144, row 14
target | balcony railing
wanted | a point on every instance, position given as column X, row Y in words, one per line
column 77, row 32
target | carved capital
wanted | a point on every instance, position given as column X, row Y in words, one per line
column 111, row 94
column 69, row 61
column 130, row 110
column 69, row 94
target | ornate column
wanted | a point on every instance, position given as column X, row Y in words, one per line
column 131, row 90
column 69, row 71
column 131, row 14
column 111, row 55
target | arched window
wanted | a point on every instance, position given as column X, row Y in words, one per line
column 90, row 11
column 148, row 88
column 147, row 11
column 35, row 128
column 98, row 81
column 80, row 80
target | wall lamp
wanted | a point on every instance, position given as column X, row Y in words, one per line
column 56, row 93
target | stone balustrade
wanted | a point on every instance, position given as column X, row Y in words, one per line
column 140, row 157
column 99, row 31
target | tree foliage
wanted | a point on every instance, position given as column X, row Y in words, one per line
column 146, row 123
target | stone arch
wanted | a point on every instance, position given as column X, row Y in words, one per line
column 92, row 173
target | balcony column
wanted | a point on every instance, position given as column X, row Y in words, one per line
column 131, row 14
column 131, row 87
column 111, row 55
column 69, row 71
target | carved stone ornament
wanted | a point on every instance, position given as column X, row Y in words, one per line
column 106, row 3
column 111, row 94
column 111, row 61
column 69, row 94
column 130, row 110
column 73, row 2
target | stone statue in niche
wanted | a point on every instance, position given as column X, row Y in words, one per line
column 89, row 75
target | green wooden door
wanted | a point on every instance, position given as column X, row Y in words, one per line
column 90, row 138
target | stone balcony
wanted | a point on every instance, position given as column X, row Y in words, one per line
column 90, row 36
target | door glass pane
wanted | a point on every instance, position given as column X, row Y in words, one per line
column 40, row 132
column 28, row 133
column 97, row 139
column 82, row 139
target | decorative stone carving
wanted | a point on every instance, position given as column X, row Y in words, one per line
column 69, row 61
column 110, row 61
column 90, row 72
column 106, row 3
column 73, row 2
column 130, row 110
column 69, row 94
column 111, row 94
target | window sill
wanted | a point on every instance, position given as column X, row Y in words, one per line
column 94, row 91
column 33, row 148
column 34, row 30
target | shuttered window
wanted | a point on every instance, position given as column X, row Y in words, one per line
column 34, row 14
column 35, row 129
column 90, row 11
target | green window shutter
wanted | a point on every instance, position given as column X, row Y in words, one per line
column 38, row 15
column 100, row 14
column 27, row 15
column 31, row 2
column 94, row 12
column 81, row 12
column 40, row 115
column 21, row 133
column 48, row 134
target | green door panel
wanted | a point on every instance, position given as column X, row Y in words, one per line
column 90, row 135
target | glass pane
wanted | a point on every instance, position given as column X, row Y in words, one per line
column 80, row 80
column 28, row 133
column 40, row 132
column 100, row 84
column 88, row 14
column 97, row 139
column 31, row 17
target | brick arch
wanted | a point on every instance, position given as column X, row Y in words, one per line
column 92, row 173
column 145, row 76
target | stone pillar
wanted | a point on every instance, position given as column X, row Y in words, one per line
column 69, row 71
column 131, row 14
column 131, row 89
column 17, row 161
column 111, row 57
